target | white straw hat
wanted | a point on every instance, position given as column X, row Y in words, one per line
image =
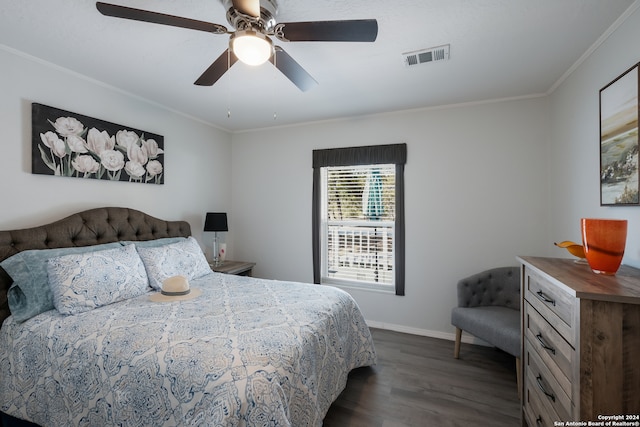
column 175, row 288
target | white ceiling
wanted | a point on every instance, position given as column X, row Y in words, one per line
column 499, row 49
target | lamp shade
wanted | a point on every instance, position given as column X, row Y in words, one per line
column 251, row 47
column 216, row 221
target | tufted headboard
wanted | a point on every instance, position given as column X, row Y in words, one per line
column 91, row 227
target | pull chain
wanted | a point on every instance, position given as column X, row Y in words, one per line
column 273, row 88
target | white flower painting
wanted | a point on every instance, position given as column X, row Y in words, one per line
column 73, row 145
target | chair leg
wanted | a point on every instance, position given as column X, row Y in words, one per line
column 456, row 349
column 518, row 375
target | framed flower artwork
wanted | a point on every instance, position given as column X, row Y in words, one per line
column 73, row 145
column 619, row 177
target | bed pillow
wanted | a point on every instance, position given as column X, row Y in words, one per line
column 183, row 258
column 30, row 294
column 82, row 282
column 153, row 243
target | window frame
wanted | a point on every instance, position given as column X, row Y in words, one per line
column 353, row 156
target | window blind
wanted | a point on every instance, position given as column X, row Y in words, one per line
column 358, row 219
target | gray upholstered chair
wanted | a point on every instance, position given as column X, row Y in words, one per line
column 489, row 308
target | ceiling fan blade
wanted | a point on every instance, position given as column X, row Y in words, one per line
column 217, row 69
column 292, row 70
column 117, row 11
column 358, row 30
column 247, row 7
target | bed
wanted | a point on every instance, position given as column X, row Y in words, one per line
column 245, row 352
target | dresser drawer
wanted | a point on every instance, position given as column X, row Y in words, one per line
column 540, row 376
column 553, row 303
column 551, row 348
column 536, row 412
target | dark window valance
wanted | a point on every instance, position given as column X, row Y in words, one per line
column 368, row 155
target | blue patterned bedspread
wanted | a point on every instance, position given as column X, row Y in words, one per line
column 247, row 352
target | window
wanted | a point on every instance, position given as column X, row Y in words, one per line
column 358, row 216
column 357, row 224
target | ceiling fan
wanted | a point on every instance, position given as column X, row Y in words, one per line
column 255, row 24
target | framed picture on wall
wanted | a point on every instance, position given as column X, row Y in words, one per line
column 619, row 180
column 74, row 145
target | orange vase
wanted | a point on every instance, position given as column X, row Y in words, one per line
column 604, row 241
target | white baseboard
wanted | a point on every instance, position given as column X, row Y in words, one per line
column 466, row 338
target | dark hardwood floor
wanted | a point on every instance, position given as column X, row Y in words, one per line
column 417, row 382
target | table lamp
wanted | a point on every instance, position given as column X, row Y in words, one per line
column 216, row 221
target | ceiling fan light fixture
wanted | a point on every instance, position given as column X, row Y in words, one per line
column 251, row 47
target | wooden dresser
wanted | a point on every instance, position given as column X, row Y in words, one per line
column 580, row 343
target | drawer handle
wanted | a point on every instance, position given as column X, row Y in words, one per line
column 544, row 344
column 546, row 298
column 541, row 387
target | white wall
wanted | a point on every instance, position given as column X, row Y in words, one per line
column 575, row 149
column 197, row 156
column 484, row 183
column 476, row 193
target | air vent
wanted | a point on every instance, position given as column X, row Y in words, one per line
column 433, row 54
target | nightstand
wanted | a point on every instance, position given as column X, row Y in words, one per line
column 239, row 268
